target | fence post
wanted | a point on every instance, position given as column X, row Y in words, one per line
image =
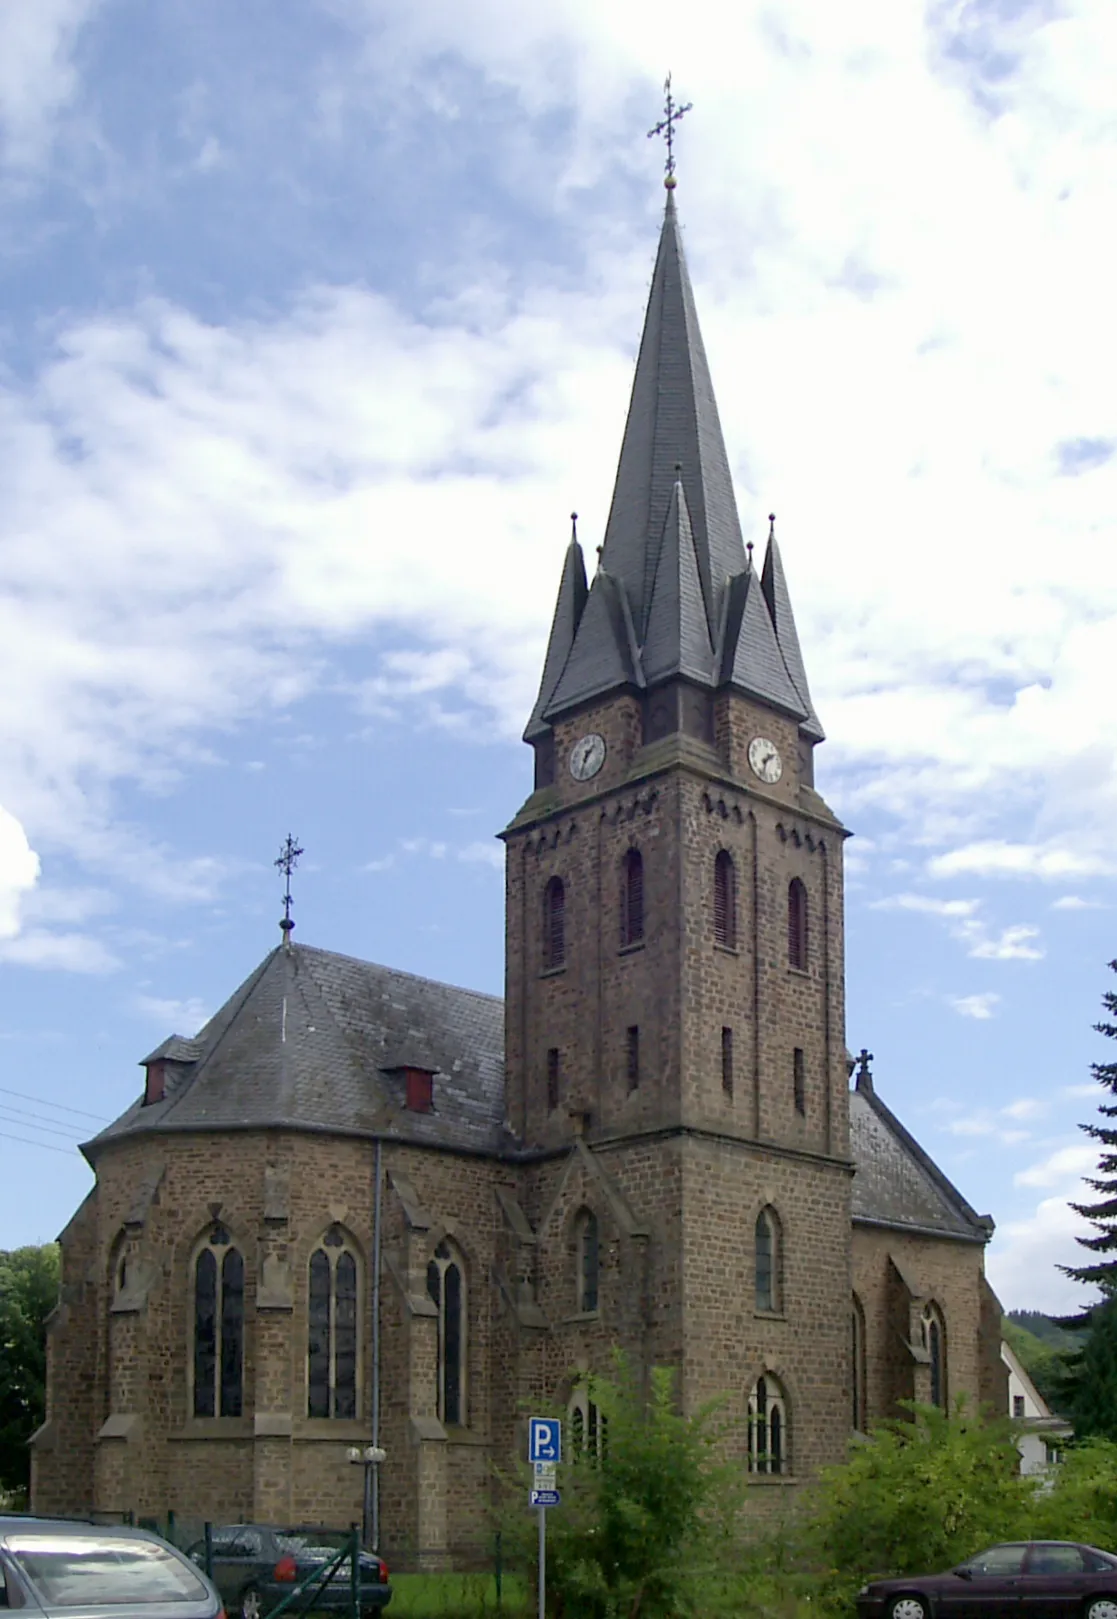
column 208, row 1531
column 498, row 1569
column 354, row 1572
column 171, row 1525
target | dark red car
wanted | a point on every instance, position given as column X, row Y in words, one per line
column 1026, row 1579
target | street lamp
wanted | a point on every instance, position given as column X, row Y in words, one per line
column 368, row 1457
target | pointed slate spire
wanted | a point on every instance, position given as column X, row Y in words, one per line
column 677, row 640
column 672, row 419
column 604, row 656
column 749, row 656
column 774, row 584
column 564, row 627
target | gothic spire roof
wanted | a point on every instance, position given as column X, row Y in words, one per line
column 778, row 598
column 675, row 594
column 564, row 625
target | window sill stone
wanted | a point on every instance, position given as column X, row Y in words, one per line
column 215, row 1428
column 798, row 972
column 342, row 1430
column 770, row 1315
column 581, row 1316
column 553, row 972
column 464, row 1436
column 631, row 949
column 770, row 1481
column 726, row 949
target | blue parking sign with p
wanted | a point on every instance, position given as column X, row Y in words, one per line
column 544, row 1440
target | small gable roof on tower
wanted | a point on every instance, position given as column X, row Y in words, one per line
column 674, row 595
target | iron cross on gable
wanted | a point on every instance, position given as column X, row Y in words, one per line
column 288, row 860
column 666, row 128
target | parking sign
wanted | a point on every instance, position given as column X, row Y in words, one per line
column 544, row 1440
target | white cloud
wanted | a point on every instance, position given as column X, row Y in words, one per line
column 1079, row 1090
column 19, row 872
column 37, row 74
column 986, row 1123
column 485, row 853
column 926, row 905
column 1074, row 902
column 1012, row 944
column 1025, row 1107
column 996, row 858
column 1063, row 1165
column 1025, row 1254
column 980, row 1007
column 61, row 952
column 184, row 1017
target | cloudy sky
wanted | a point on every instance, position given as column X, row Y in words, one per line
column 316, row 321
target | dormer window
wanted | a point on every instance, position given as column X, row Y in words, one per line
column 420, row 1090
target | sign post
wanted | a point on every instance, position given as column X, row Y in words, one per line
column 544, row 1452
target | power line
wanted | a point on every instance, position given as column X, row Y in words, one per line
column 45, row 1145
column 59, row 1107
column 28, row 1123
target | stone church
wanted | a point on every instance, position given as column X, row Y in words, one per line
column 362, row 1206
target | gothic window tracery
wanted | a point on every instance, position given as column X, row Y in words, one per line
column 632, row 898
column 218, row 1315
column 332, row 1316
column 725, row 901
column 797, row 938
column 934, row 1342
column 447, row 1291
column 768, row 1430
column 554, row 924
column 588, row 1425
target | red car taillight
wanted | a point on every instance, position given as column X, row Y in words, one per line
column 286, row 1569
column 383, row 1571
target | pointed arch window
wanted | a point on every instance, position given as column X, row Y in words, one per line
column 725, row 901
column 218, row 1359
column 632, row 898
column 768, row 1430
column 447, row 1292
column 588, row 1424
column 588, row 1245
column 554, row 924
column 767, row 1258
column 332, row 1316
column 797, row 940
column 934, row 1342
column 857, row 1366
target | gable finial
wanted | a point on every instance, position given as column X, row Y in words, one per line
column 864, row 1072
column 288, row 860
column 748, row 548
column 771, row 527
column 666, row 128
column 573, row 528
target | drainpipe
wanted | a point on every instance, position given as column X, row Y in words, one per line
column 376, row 1340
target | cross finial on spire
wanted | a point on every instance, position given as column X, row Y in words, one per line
column 288, row 860
column 666, row 128
column 864, row 1072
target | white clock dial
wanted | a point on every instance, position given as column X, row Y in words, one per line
column 764, row 760
column 587, row 756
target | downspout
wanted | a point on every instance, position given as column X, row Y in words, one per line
column 376, row 1208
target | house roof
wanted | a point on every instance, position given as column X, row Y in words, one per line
column 317, row 1041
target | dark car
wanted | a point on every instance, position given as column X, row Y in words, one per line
column 256, row 1565
column 65, row 1570
column 1024, row 1579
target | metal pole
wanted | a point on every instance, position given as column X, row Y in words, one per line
column 542, row 1562
column 209, row 1550
column 354, row 1574
column 367, row 1513
column 372, row 1496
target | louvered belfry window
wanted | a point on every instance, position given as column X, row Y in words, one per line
column 552, row 1079
column 554, row 923
column 797, row 924
column 632, row 898
column 725, row 901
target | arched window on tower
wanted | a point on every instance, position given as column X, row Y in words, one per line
column 332, row 1316
column 588, row 1424
column 725, row 900
column 797, row 924
column 554, row 924
column 588, row 1254
column 447, row 1291
column 767, row 1260
column 632, row 898
column 934, row 1342
column 857, row 1367
column 218, row 1358
column 768, row 1431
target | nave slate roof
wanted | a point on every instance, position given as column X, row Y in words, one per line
column 675, row 594
column 316, row 1041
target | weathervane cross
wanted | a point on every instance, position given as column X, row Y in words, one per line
column 666, row 128
column 288, row 860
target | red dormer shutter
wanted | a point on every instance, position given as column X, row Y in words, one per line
column 420, row 1090
column 155, row 1084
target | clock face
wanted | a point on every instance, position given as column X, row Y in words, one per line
column 764, row 760
column 587, row 756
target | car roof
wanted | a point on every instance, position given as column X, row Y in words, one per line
column 13, row 1522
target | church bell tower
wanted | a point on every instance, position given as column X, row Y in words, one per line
column 674, row 902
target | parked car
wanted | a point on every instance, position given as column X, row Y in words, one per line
column 255, row 1566
column 1034, row 1579
column 54, row 1568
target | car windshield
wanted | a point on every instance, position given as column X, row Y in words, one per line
column 313, row 1542
column 71, row 1571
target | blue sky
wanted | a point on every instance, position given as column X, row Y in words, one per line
column 319, row 319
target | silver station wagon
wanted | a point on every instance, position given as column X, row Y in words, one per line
column 81, row 1571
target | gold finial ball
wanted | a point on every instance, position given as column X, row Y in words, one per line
column 670, row 183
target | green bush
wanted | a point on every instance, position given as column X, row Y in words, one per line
column 1080, row 1502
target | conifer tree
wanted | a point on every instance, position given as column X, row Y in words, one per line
column 1102, row 1272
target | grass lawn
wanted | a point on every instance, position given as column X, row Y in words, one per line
column 455, row 1596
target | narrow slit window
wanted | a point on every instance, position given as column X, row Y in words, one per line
column 725, row 901
column 632, row 1055
column 632, row 898
column 799, row 1080
column 554, row 924
column 766, row 1261
column 589, row 1261
column 552, row 1079
column 727, row 1061
column 797, row 925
